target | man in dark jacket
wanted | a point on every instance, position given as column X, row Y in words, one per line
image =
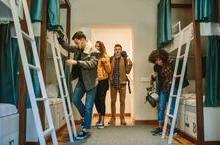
column 84, row 67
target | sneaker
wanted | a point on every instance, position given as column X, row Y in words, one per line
column 100, row 125
column 157, row 132
column 175, row 132
column 83, row 135
column 154, row 130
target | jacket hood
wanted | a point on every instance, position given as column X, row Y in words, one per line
column 89, row 48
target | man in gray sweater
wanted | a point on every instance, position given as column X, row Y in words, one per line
column 84, row 67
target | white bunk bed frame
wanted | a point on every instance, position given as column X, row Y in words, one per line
column 211, row 126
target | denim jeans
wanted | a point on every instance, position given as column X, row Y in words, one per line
column 163, row 98
column 86, row 109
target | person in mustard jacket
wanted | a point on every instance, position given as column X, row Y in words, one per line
column 103, row 70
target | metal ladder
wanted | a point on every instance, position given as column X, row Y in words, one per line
column 36, row 67
column 173, row 94
column 63, row 86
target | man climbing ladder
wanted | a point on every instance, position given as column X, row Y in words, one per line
column 62, row 83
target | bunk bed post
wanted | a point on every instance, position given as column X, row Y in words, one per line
column 218, row 11
column 68, row 22
column 22, row 101
column 43, row 54
column 67, row 6
column 198, row 79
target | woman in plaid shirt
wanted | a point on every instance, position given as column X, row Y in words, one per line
column 163, row 74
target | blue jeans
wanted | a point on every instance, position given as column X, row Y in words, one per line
column 86, row 109
column 163, row 98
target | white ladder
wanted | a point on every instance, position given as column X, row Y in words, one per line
column 63, row 86
column 180, row 56
column 36, row 67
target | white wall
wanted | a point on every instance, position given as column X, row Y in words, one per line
column 141, row 16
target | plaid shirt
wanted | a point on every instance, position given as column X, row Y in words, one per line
column 116, row 74
column 166, row 76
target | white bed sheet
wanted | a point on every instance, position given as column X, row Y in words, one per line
column 7, row 109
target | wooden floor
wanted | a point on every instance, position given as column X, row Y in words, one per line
column 63, row 134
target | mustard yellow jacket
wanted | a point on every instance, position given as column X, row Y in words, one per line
column 104, row 67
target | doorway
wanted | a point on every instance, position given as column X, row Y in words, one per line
column 111, row 35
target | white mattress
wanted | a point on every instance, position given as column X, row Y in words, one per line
column 7, row 109
column 190, row 99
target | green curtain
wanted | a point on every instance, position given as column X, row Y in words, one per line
column 164, row 23
column 9, row 66
column 206, row 10
column 212, row 80
column 36, row 10
column 34, row 74
column 53, row 21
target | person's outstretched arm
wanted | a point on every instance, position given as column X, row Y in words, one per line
column 66, row 45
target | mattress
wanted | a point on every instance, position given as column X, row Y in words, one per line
column 7, row 109
column 189, row 99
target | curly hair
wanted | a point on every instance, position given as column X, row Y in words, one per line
column 152, row 57
column 159, row 54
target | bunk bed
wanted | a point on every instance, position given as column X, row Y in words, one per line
column 191, row 115
column 20, row 119
column 9, row 116
column 55, row 103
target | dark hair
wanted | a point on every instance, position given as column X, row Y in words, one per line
column 159, row 53
column 102, row 47
column 79, row 35
column 118, row 45
column 152, row 57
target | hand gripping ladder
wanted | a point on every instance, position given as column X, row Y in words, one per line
column 63, row 86
column 36, row 67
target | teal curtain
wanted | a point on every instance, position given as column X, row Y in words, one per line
column 9, row 53
column 36, row 10
column 206, row 10
column 212, row 80
column 53, row 21
column 164, row 23
column 34, row 74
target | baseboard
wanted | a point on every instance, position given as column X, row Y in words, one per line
column 212, row 143
column 145, row 122
column 32, row 143
column 187, row 136
column 109, row 115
